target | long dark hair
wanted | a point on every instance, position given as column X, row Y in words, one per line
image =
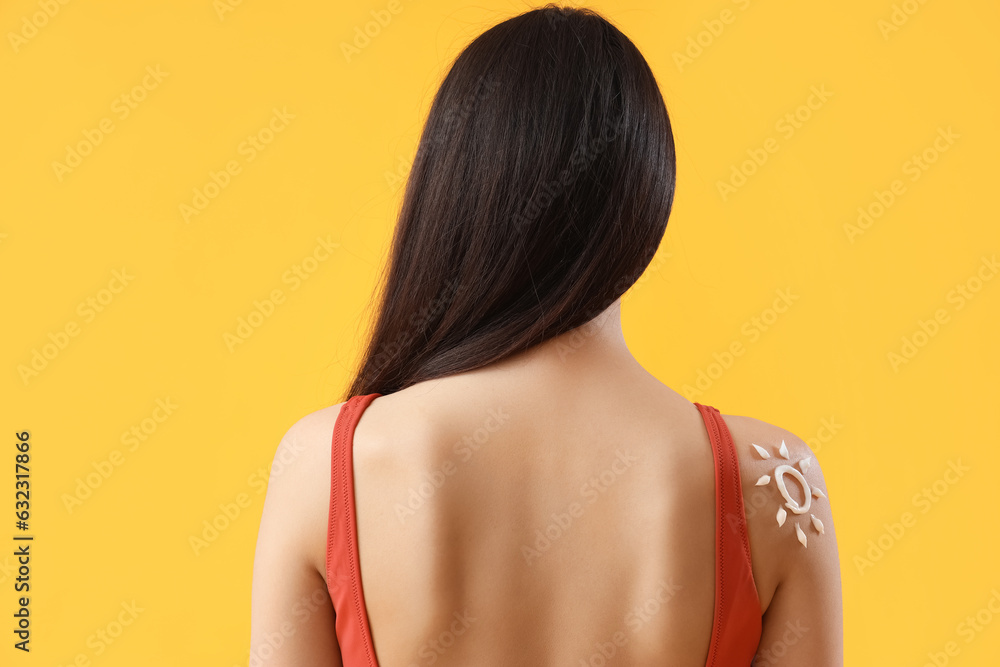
column 539, row 193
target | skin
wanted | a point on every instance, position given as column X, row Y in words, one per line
column 571, row 403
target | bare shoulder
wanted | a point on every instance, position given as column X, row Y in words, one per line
column 304, row 450
column 289, row 567
column 787, row 506
column 314, row 425
column 298, row 488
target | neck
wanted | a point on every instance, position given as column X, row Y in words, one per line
column 594, row 343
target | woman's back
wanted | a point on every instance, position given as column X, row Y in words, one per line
column 556, row 508
column 548, row 529
column 508, row 485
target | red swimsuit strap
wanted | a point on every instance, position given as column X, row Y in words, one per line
column 737, row 623
column 343, row 574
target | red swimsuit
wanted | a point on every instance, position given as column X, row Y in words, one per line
column 736, row 629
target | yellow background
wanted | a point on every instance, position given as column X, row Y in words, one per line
column 335, row 170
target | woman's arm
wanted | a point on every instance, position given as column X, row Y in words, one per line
column 804, row 623
column 799, row 586
column 292, row 618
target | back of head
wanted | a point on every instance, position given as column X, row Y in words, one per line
column 539, row 193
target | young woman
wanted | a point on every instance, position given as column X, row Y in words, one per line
column 504, row 483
